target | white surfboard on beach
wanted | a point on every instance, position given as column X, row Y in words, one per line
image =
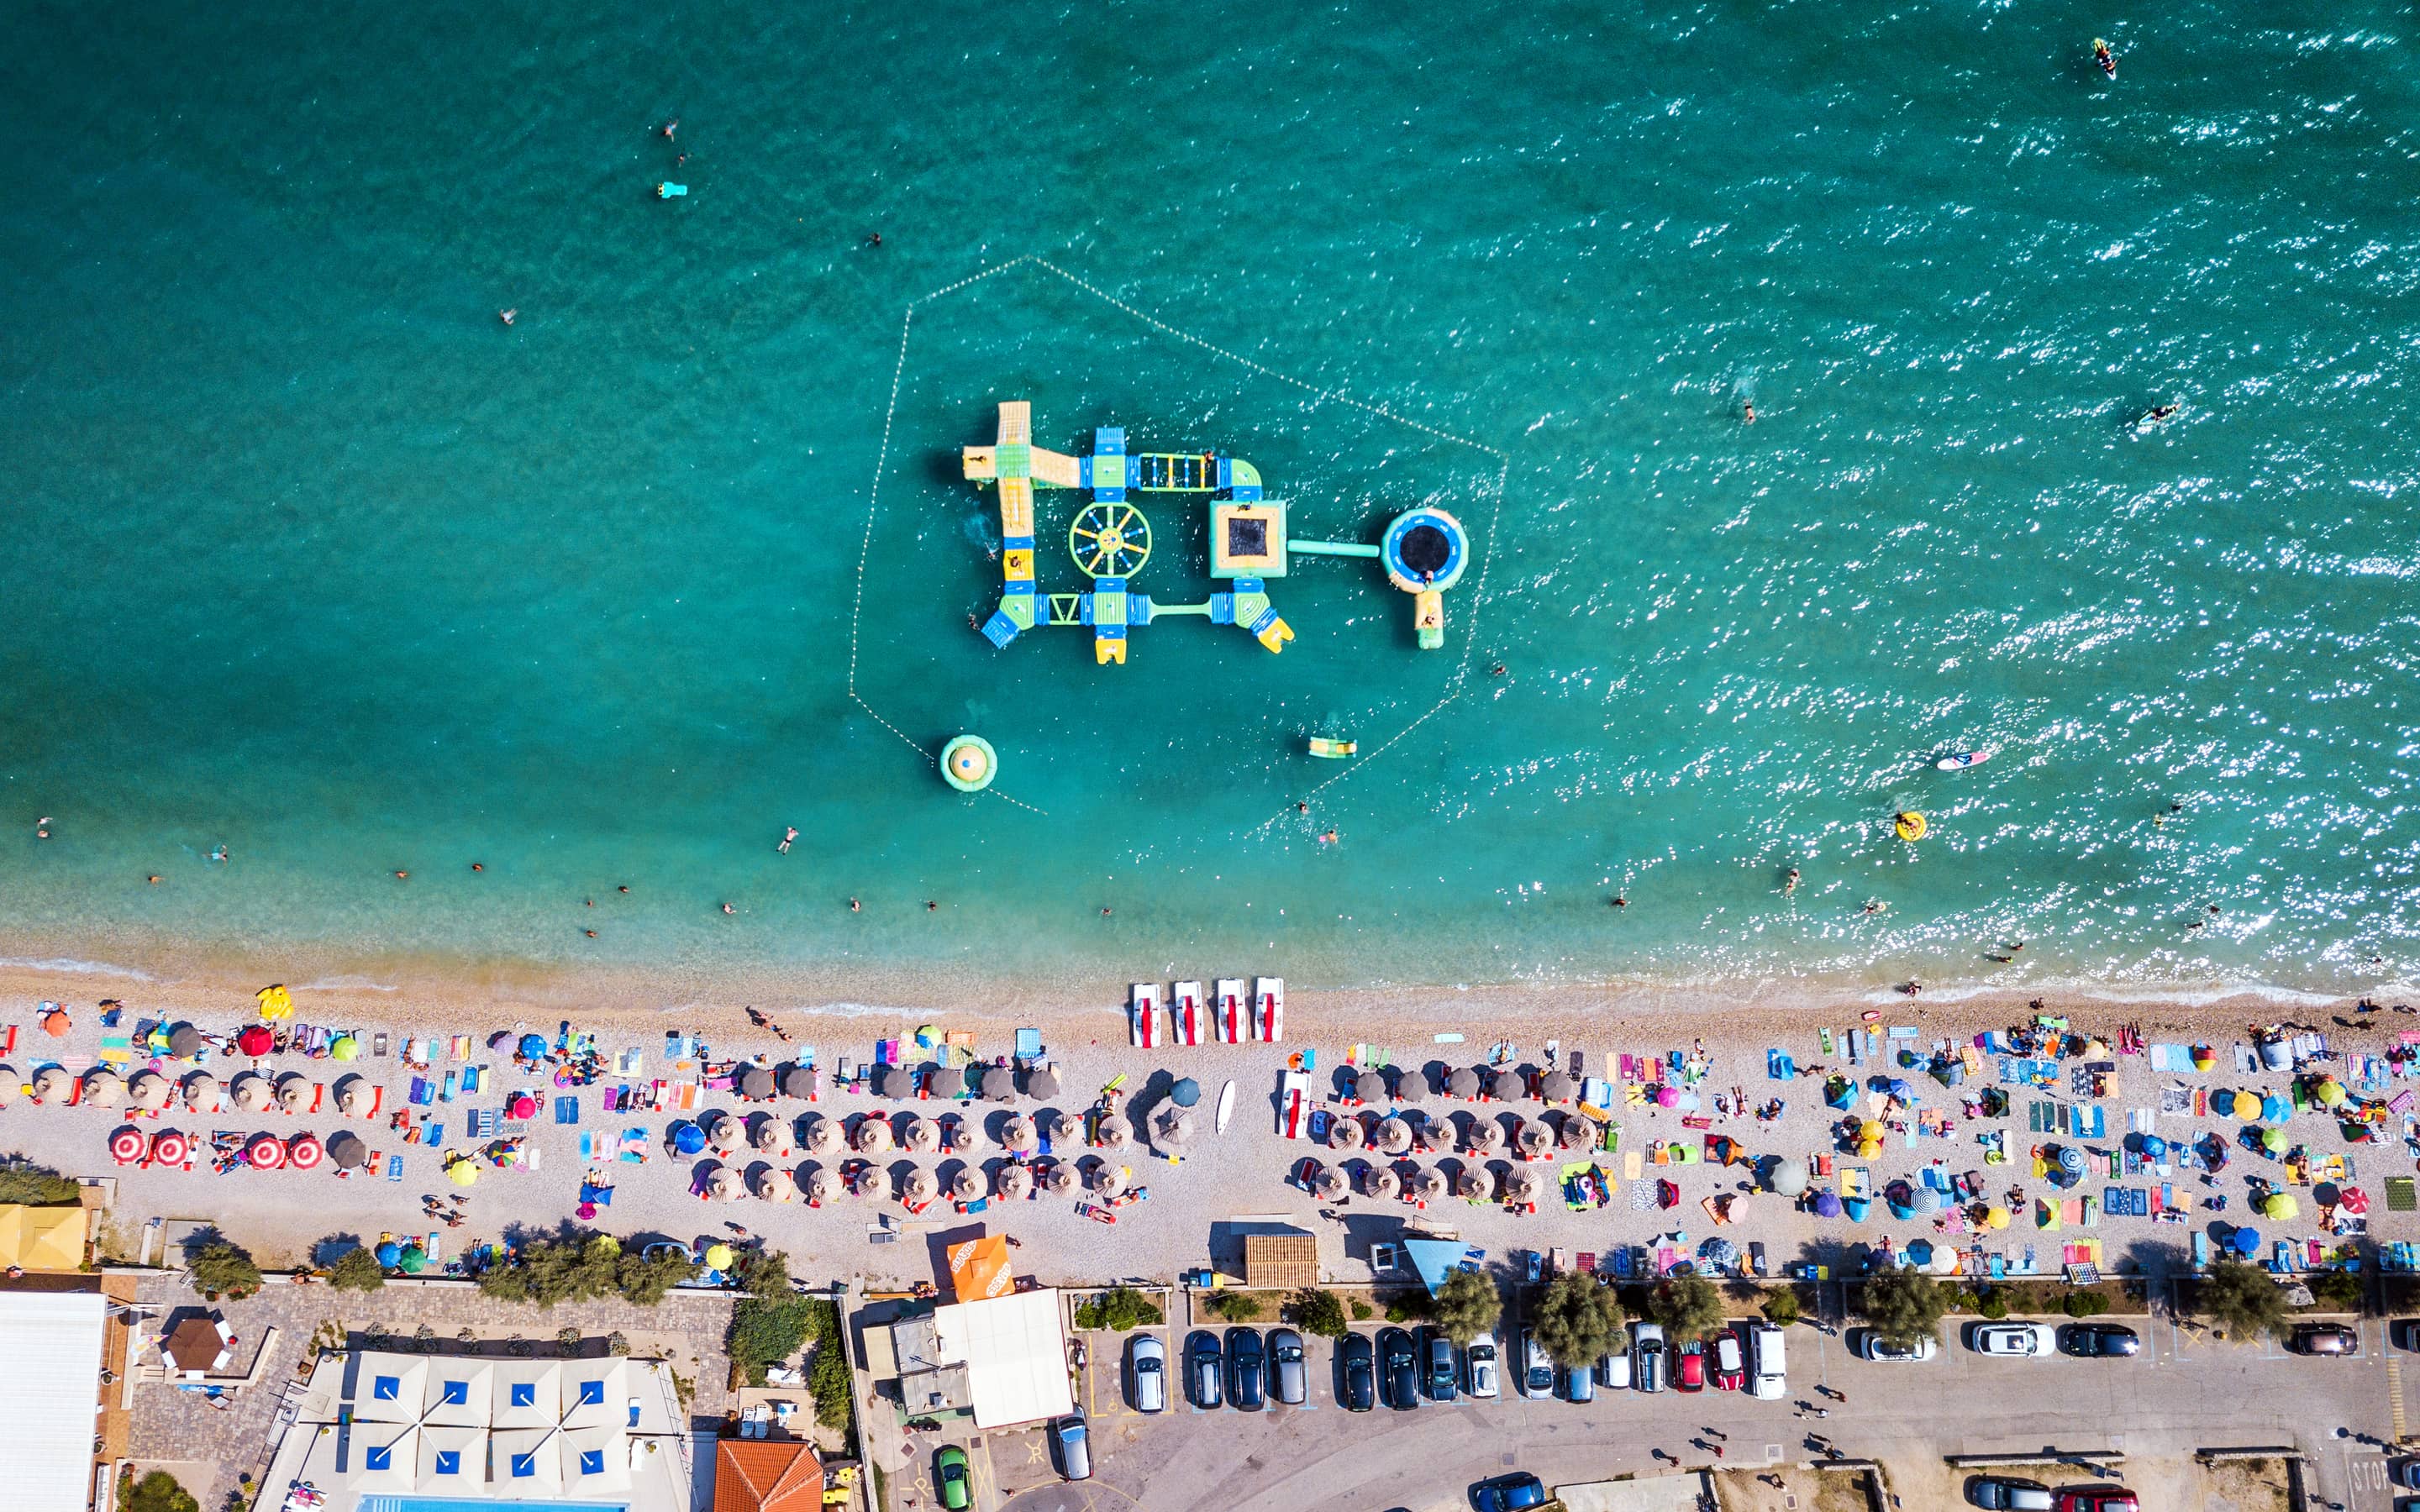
column 1226, row 1108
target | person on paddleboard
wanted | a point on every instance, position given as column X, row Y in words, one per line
column 2107, row 59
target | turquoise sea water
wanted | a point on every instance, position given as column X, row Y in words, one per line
column 310, row 557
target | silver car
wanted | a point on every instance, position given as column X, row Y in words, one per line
column 1479, row 1364
column 1537, row 1369
column 1147, row 1368
column 1289, row 1379
column 1649, row 1359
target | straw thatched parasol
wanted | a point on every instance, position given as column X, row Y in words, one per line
column 1576, row 1131
column 1520, row 1185
column 1555, row 1086
column 149, row 1090
column 1474, row 1182
column 201, row 1091
column 1111, row 1182
column 924, row 1135
column 756, row 1082
column 1329, row 1185
column 969, row 1185
column 252, row 1092
column 1345, row 1131
column 102, row 1087
column 1000, row 1083
column 51, row 1084
column 1172, row 1130
column 800, row 1081
column 1017, row 1134
column 1059, row 1178
column 355, row 1096
column 872, row 1181
column 773, row 1184
column 1042, row 1081
column 771, row 1136
column 895, row 1082
column 1487, row 1137
column 721, row 1130
column 822, row 1183
column 294, row 1093
column 946, row 1082
column 1062, row 1127
column 1428, row 1184
column 921, row 1187
column 873, row 1135
column 1370, row 1084
column 1378, row 1182
column 1116, row 1133
column 1395, row 1136
column 825, row 1136
column 1534, row 1137
column 1462, row 1082
column 346, row 1151
column 725, row 1184
column 1016, row 1181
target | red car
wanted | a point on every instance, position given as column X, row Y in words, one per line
column 2097, row 1499
column 1689, row 1370
column 1730, row 1363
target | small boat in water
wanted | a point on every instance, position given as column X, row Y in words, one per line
column 1335, row 750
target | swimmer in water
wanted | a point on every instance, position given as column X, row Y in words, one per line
column 220, row 853
column 402, row 876
column 931, row 906
column 669, row 127
column 788, row 835
column 1620, row 902
column 506, row 316
column 873, row 239
column 2158, row 413
column 1789, row 883
column 728, row 909
column 1875, row 905
column 476, row 867
column 590, row 933
column 1328, row 838
column 1748, row 413
column 855, row 907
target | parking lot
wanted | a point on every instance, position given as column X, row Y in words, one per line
column 2183, row 1392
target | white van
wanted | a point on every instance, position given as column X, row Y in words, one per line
column 1768, row 1362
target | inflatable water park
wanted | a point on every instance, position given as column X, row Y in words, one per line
column 1424, row 551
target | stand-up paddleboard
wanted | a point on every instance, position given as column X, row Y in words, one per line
column 1227, row 1018
column 1185, row 1007
column 1268, row 1009
column 2104, row 57
column 1226, row 1108
column 1963, row 760
column 1143, row 1015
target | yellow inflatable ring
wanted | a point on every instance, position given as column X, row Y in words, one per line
column 1911, row 826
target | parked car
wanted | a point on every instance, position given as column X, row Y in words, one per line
column 1289, row 1374
column 1440, row 1376
column 1201, row 1370
column 2096, row 1499
column 1536, row 1370
column 1479, row 1369
column 1768, row 1362
column 1508, row 1493
column 1580, row 1384
column 2009, row 1493
column 2100, row 1340
column 952, row 1478
column 1874, row 1347
column 1728, row 1360
column 1689, row 1366
column 1147, row 1374
column 2406, row 1474
column 1356, row 1362
column 2015, row 1340
column 1075, row 1447
column 1248, row 1362
column 1646, row 1356
column 2404, row 1332
column 1613, row 1370
column 1399, row 1371
column 2325, row 1338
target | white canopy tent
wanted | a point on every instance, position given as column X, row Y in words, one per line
column 461, row 1393
column 454, row 1460
column 529, row 1395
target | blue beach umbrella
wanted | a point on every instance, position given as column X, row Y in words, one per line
column 2276, row 1108
column 1855, row 1209
column 688, row 1139
column 1186, row 1093
column 2155, row 1147
column 532, row 1046
column 1919, row 1252
column 2244, row 1241
column 389, row 1252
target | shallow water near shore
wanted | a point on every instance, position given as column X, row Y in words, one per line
column 316, row 560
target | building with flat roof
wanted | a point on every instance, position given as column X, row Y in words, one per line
column 1004, row 1359
column 49, row 1396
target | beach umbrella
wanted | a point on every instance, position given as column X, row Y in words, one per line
column 346, row 1150
column 252, row 1092
column 533, row 1046
column 1173, row 1127
column 770, row 1136
column 1462, row 1082
column 2244, row 1241
column 969, row 1185
column 1871, row 1129
column 1116, row 1133
column 149, row 1090
column 1042, row 1081
column 1016, row 1183
column 1555, row 1086
column 688, row 1140
column 265, row 1153
column 1996, row 1216
column 2223, row 1102
column 1379, row 1182
column 895, row 1082
column 873, row 1135
column 2281, row 1206
column 2274, row 1141
column 55, row 1023
column 1534, row 1137
column 1186, row 1093
column 1786, row 1177
column 294, row 1093
column 2155, row 1147
column 1920, row 1253
column 1395, row 1136
column 127, row 1145
column 725, row 1184
column 722, row 1130
column 1329, row 1185
column 1899, row 1088
column 924, row 1135
column 1719, row 1253
column 345, row 1047
column 2329, row 1092
column 413, row 1261
column 1855, row 1209
column 1667, row 1096
column 305, row 1151
column 2274, row 1108
column 1868, row 1149
column 2204, row 1057
column 800, row 1082
column 184, row 1041
column 355, row 1096
column 1370, row 1086
column 947, row 1083
column 170, row 1147
column 102, row 1087
column 1487, row 1137
column 1576, row 1132
column 254, row 1039
column 1000, row 1083
column 756, row 1083
column 921, row 1189
column 1473, row 1183
column 2353, row 1201
column 462, row 1171
column 1059, row 1178
column 1111, row 1182
column 1019, row 1133
column 1344, row 1132
column 1926, row 1200
column 51, row 1084
column 10, row 1084
column 1520, row 1185
column 718, row 1257
column 2046, row 1214
column 1428, row 1184
column 1059, row 1127
column 825, row 1136
column 822, row 1182
column 389, row 1252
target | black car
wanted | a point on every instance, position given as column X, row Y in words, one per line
column 1356, row 1360
column 1247, row 1369
column 2100, row 1340
column 1441, row 1371
column 1201, row 1368
column 1399, row 1370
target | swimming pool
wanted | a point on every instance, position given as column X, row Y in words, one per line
column 441, row 1504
